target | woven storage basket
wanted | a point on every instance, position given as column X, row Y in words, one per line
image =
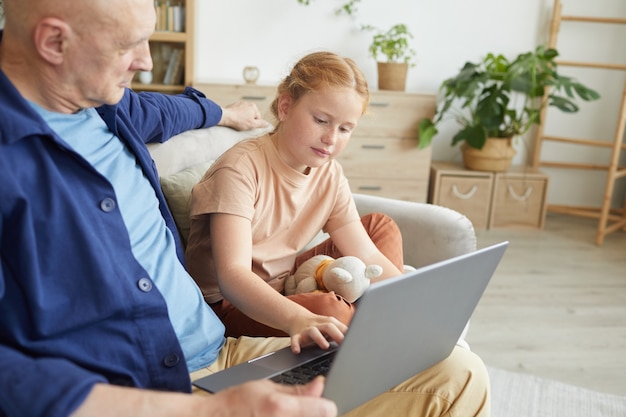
column 495, row 156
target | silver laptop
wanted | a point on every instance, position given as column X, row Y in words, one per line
column 401, row 327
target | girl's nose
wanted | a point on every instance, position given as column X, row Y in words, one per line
column 330, row 137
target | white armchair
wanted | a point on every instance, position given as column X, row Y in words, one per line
column 430, row 233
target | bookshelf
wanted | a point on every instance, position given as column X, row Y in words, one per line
column 172, row 48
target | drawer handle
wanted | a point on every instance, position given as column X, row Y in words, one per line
column 373, row 146
column 370, row 187
column 518, row 197
column 464, row 196
column 259, row 98
column 378, row 104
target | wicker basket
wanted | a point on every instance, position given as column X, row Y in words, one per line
column 495, row 156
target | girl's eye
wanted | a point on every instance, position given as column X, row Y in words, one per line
column 345, row 129
column 320, row 121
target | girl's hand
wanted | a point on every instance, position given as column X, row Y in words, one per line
column 316, row 329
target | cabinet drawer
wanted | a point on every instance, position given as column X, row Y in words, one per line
column 225, row 94
column 518, row 202
column 393, row 114
column 385, row 158
column 408, row 190
column 468, row 195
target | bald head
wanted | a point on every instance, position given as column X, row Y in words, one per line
column 72, row 54
column 26, row 14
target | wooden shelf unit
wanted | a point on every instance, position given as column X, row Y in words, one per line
column 164, row 42
column 609, row 220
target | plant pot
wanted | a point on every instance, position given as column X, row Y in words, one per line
column 495, row 156
column 392, row 75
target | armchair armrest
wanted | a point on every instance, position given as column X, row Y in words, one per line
column 430, row 233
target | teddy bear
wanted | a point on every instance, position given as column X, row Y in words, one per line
column 347, row 276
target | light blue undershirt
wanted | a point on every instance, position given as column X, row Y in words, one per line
column 152, row 243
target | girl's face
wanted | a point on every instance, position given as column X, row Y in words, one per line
column 317, row 128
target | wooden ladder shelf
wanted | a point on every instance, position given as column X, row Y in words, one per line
column 609, row 220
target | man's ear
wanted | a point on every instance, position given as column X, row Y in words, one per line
column 50, row 37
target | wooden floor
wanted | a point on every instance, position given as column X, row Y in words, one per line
column 556, row 306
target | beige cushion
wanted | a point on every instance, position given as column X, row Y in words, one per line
column 177, row 190
column 195, row 146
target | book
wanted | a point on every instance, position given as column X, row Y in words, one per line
column 167, row 79
column 179, row 68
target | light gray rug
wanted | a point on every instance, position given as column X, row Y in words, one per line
column 520, row 395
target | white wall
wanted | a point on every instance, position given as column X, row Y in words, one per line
column 273, row 34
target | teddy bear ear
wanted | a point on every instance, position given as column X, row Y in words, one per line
column 373, row 271
column 342, row 275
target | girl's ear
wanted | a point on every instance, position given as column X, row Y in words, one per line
column 284, row 104
column 50, row 37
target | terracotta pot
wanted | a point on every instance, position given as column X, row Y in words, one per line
column 392, row 76
column 495, row 156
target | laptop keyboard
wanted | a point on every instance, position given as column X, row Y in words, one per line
column 306, row 372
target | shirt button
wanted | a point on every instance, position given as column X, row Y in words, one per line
column 171, row 360
column 144, row 284
column 107, row 205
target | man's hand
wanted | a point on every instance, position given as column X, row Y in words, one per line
column 262, row 398
column 266, row 398
column 242, row 115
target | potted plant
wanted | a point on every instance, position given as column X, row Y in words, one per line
column 496, row 100
column 394, row 45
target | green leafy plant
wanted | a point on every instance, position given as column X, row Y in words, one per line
column 500, row 98
column 349, row 7
column 393, row 44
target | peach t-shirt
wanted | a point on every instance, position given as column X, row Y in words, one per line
column 286, row 209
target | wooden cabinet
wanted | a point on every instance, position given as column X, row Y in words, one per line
column 171, row 47
column 225, row 94
column 382, row 157
column 516, row 198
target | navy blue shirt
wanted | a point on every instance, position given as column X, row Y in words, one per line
column 76, row 308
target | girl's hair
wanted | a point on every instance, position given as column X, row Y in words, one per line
column 318, row 70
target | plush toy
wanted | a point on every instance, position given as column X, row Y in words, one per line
column 347, row 276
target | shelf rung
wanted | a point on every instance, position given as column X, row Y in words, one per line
column 605, row 65
column 621, row 173
column 591, row 19
column 586, row 142
column 619, row 224
column 552, row 164
column 591, row 213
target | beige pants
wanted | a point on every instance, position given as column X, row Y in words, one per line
column 457, row 386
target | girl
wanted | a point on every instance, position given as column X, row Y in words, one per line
column 259, row 205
